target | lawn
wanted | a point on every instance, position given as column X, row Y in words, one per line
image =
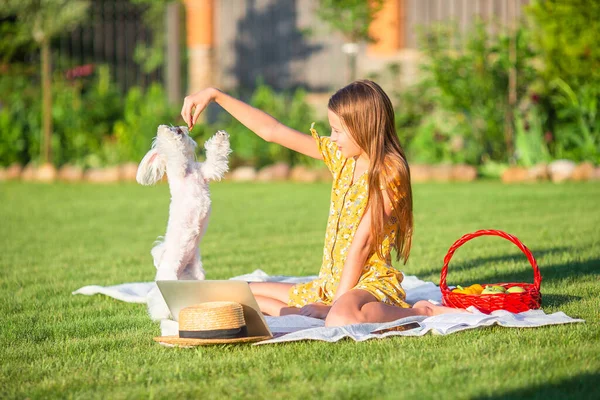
column 57, row 238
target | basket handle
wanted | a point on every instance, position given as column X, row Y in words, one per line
column 537, row 277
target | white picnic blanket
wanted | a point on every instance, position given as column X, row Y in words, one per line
column 136, row 292
column 296, row 327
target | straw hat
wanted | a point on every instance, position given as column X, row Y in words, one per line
column 215, row 322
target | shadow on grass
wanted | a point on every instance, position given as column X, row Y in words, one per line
column 580, row 387
column 516, row 257
column 549, row 273
column 555, row 300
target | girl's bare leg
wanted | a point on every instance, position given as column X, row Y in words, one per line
column 272, row 298
column 359, row 306
column 437, row 310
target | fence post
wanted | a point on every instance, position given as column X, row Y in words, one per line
column 199, row 23
column 512, row 81
column 173, row 61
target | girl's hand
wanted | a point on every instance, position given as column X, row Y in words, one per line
column 196, row 103
column 315, row 310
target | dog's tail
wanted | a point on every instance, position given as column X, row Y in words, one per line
column 158, row 250
column 159, row 240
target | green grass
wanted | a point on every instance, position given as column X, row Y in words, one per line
column 57, row 238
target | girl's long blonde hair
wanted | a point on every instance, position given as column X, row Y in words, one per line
column 368, row 115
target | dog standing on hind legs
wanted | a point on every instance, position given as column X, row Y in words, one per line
column 177, row 256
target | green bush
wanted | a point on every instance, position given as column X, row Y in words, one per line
column 20, row 120
column 83, row 114
column 472, row 84
column 291, row 109
column 459, row 109
column 94, row 126
column 565, row 35
column 143, row 113
column 530, row 141
column 12, row 142
column 456, row 112
column 577, row 120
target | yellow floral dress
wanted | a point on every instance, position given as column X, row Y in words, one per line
column 348, row 203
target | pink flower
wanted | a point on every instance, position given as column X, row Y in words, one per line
column 80, row 71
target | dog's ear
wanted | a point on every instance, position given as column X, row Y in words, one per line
column 151, row 168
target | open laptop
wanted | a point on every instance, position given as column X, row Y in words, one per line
column 181, row 294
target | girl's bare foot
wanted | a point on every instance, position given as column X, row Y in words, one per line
column 432, row 309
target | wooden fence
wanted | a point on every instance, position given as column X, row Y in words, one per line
column 109, row 36
column 282, row 42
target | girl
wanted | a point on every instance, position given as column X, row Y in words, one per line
column 371, row 208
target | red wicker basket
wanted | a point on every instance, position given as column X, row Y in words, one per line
column 513, row 302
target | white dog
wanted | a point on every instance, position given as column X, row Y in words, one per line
column 177, row 256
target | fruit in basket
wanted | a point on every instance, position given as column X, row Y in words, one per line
column 476, row 288
column 473, row 289
column 458, row 289
column 489, row 290
column 494, row 290
column 516, row 289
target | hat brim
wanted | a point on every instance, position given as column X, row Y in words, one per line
column 185, row 342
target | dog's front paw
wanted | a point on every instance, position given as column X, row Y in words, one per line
column 165, row 274
column 221, row 136
column 157, row 308
column 218, row 144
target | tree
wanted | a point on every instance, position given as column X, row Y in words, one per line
column 41, row 20
column 351, row 18
column 163, row 17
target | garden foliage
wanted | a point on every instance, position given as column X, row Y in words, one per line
column 458, row 112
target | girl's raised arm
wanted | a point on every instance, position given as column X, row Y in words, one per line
column 254, row 119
